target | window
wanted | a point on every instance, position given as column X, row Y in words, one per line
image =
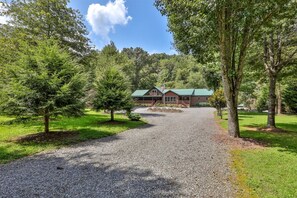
column 154, row 92
column 170, row 99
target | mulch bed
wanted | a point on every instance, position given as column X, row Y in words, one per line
column 166, row 110
column 54, row 136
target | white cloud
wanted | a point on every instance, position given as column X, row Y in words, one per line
column 3, row 19
column 104, row 18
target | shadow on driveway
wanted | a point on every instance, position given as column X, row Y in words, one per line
column 78, row 176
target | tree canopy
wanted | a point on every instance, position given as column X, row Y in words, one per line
column 204, row 27
column 47, row 19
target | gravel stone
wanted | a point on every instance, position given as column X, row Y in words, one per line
column 172, row 156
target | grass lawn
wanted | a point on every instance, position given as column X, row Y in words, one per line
column 90, row 126
column 272, row 171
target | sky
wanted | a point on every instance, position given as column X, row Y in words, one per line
column 128, row 23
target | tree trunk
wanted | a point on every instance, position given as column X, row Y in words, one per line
column 219, row 112
column 279, row 100
column 271, row 102
column 233, row 122
column 46, row 121
column 112, row 115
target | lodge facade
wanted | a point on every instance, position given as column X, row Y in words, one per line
column 182, row 97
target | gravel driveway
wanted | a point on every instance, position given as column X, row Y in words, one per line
column 173, row 156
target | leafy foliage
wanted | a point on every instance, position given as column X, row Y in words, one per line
column 262, row 99
column 48, row 19
column 218, row 101
column 134, row 116
column 290, row 96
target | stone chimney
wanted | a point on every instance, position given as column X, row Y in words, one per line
column 163, row 88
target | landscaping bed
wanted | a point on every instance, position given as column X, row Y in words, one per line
column 165, row 109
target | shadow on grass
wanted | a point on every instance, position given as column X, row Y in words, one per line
column 87, row 127
column 82, row 174
column 286, row 141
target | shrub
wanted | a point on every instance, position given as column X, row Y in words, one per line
column 202, row 104
column 134, row 116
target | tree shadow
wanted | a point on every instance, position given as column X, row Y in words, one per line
column 285, row 141
column 86, row 126
column 81, row 175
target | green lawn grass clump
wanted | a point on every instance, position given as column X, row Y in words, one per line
column 92, row 125
column 272, row 171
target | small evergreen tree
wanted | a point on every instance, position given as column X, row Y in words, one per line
column 218, row 101
column 45, row 81
column 112, row 92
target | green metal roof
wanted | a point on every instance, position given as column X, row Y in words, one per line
column 203, row 92
column 159, row 89
column 138, row 93
column 182, row 92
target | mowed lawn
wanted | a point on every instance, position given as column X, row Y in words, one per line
column 89, row 126
column 272, row 171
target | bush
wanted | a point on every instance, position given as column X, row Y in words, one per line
column 134, row 116
column 202, row 104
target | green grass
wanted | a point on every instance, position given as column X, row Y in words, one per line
column 88, row 126
column 269, row 172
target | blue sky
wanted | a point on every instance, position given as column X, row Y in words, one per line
column 131, row 23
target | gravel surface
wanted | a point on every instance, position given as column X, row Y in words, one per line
column 173, row 156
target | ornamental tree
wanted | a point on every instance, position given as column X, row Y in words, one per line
column 112, row 92
column 218, row 101
column 45, row 81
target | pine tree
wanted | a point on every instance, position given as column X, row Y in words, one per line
column 44, row 81
column 112, row 92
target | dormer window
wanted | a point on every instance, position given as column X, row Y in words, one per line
column 154, row 92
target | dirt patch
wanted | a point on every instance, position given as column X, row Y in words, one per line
column 238, row 143
column 55, row 136
column 109, row 122
column 265, row 129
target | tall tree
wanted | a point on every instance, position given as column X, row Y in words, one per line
column 112, row 92
column 140, row 59
column 280, row 51
column 44, row 81
column 226, row 26
column 48, row 19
